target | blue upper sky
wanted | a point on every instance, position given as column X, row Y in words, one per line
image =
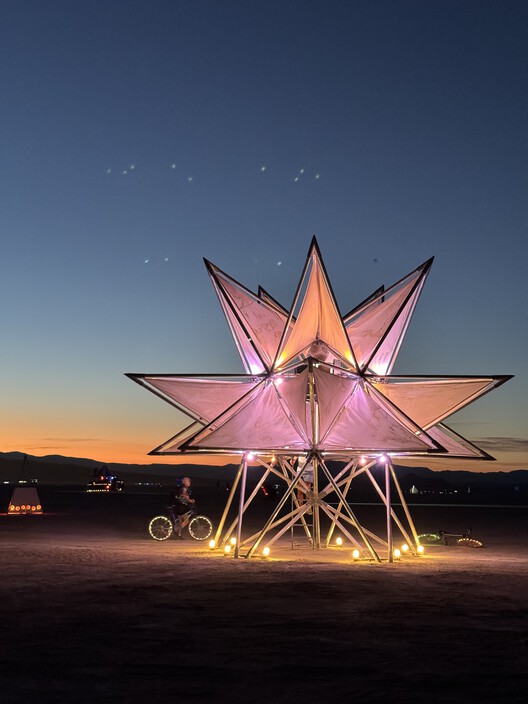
column 138, row 137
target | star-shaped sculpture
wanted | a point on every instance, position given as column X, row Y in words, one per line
column 317, row 382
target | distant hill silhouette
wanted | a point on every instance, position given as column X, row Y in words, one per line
column 57, row 469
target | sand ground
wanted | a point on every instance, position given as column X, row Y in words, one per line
column 93, row 612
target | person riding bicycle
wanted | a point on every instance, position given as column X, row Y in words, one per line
column 181, row 505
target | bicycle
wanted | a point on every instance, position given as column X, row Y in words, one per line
column 444, row 538
column 162, row 527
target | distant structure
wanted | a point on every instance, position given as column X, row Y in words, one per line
column 319, row 386
column 25, row 501
column 104, row 482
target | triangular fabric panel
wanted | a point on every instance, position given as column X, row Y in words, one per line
column 318, row 320
column 258, row 423
column 385, row 356
column 456, row 445
column 264, row 323
column 366, row 424
column 294, row 391
column 367, row 327
column 247, row 351
column 332, row 392
column 429, row 401
column 202, row 399
column 172, row 446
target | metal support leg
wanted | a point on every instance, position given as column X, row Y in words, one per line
column 389, row 517
column 351, row 514
column 228, row 503
column 241, row 507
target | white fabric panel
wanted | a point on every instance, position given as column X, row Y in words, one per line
column 332, row 392
column 173, row 445
column 428, row 402
column 252, row 361
column 367, row 328
column 455, row 446
column 259, row 423
column 318, row 319
column 383, row 361
column 201, row 398
column 364, row 424
column 294, row 391
column 264, row 323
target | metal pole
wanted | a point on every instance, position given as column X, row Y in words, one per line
column 275, row 513
column 241, row 507
column 316, row 543
column 405, row 507
column 228, row 504
column 350, row 513
column 389, row 518
column 340, row 506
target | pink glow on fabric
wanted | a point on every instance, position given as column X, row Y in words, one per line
column 318, row 320
column 250, row 358
column 332, row 391
column 366, row 424
column 383, row 360
column 263, row 322
column 455, row 445
column 294, row 392
column 428, row 402
column 200, row 398
column 367, row 327
column 259, row 423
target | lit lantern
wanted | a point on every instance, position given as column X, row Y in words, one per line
column 420, row 549
column 227, row 549
column 339, row 541
column 233, row 541
column 266, row 551
column 355, row 554
column 212, row 544
column 397, row 553
column 405, row 547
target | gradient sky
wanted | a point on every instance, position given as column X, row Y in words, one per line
column 135, row 131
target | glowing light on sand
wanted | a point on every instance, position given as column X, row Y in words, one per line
column 420, row 549
column 266, row 551
column 339, row 541
column 397, row 553
column 405, row 547
column 212, row 544
column 227, row 549
column 355, row 554
column 232, row 541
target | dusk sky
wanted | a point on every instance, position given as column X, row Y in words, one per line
column 139, row 137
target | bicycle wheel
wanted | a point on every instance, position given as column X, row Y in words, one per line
column 200, row 528
column 160, row 528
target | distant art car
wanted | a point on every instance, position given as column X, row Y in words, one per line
column 104, row 482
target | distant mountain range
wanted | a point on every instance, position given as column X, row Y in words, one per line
column 56, row 469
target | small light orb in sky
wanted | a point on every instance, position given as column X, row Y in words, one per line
column 301, row 171
column 279, row 263
column 166, row 259
column 173, row 166
column 109, row 171
column 263, row 168
column 131, row 167
column 317, row 177
column 296, row 179
column 147, row 261
column 190, row 178
column 125, row 172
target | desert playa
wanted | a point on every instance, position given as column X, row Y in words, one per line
column 93, row 610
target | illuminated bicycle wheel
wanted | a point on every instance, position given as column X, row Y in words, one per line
column 160, row 528
column 430, row 539
column 200, row 528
